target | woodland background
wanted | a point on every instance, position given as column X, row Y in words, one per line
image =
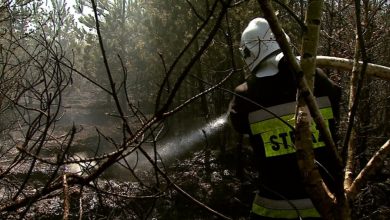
column 86, row 105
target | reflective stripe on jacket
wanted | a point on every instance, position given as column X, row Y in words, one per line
column 277, row 136
column 288, row 209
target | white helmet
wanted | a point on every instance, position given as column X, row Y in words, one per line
column 257, row 43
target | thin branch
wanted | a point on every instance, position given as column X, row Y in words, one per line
column 84, row 76
column 166, row 75
column 190, row 100
column 375, row 163
column 175, row 62
column 179, row 189
column 355, row 102
column 108, row 71
column 195, row 11
column 356, row 87
column 66, row 198
column 194, row 59
column 291, row 13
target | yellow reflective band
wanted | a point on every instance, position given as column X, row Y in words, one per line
column 278, row 138
column 282, row 213
column 292, row 208
column 276, row 135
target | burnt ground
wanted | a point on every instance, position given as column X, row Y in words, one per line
column 206, row 175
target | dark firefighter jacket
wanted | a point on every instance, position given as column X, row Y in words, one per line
column 280, row 174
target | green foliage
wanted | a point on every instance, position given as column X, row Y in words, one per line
column 148, row 36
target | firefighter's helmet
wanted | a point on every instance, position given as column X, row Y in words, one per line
column 257, row 43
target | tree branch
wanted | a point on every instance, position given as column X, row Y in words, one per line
column 382, row 72
column 369, row 170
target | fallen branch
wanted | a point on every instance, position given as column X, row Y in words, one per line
column 379, row 71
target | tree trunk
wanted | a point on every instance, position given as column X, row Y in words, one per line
column 314, row 183
column 327, row 206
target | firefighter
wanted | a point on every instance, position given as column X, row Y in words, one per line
column 271, row 84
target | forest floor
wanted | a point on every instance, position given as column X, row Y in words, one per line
column 207, row 175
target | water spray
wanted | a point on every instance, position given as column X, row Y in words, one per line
column 174, row 147
column 192, row 140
